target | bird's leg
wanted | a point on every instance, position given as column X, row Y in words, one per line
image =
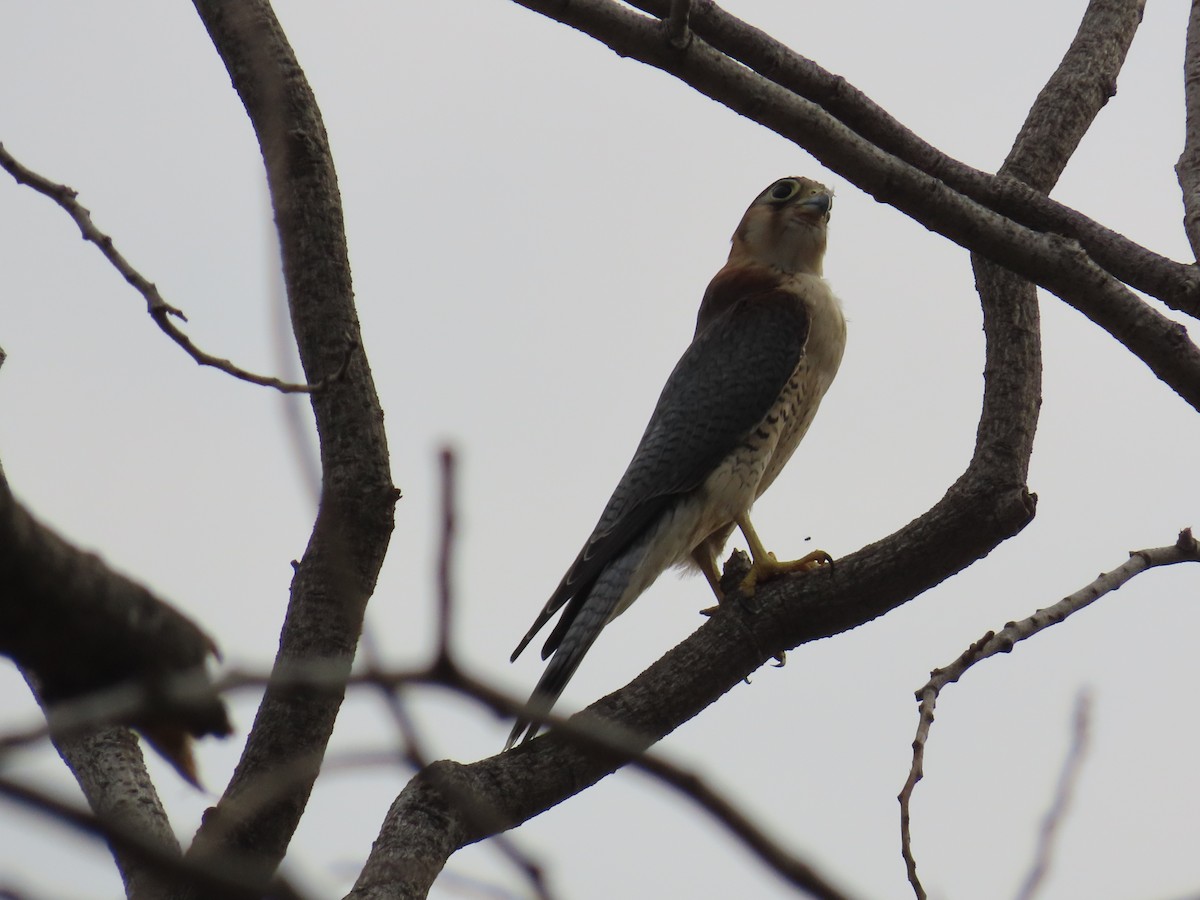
column 707, row 564
column 766, row 566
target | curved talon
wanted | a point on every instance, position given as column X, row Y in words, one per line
column 767, row 567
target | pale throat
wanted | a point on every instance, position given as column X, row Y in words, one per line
column 797, row 248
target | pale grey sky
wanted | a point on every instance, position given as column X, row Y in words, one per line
column 532, row 221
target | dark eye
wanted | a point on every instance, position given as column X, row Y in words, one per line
column 784, row 189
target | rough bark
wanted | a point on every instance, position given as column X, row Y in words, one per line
column 109, row 768
column 1175, row 284
column 256, row 817
column 1061, row 265
column 1188, row 167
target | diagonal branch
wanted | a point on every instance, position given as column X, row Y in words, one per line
column 1058, row 264
column 400, row 864
column 986, row 505
column 160, row 311
column 1175, row 284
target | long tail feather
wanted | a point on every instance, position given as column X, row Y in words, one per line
column 596, row 611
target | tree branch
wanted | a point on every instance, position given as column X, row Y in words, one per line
column 1185, row 549
column 1187, row 170
column 390, row 862
column 337, row 573
column 1175, row 284
column 1056, row 263
column 1053, row 819
column 160, row 311
column 110, row 769
column 678, row 33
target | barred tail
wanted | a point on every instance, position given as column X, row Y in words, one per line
column 595, row 611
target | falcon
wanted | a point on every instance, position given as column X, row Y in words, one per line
column 768, row 342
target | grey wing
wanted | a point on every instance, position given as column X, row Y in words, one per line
column 720, row 389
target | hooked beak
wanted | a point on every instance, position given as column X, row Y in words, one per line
column 818, row 203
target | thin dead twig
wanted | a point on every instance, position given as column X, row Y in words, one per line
column 160, row 311
column 443, row 662
column 446, row 553
column 1185, row 549
column 1052, row 821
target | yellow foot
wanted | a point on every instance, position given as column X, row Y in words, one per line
column 767, row 567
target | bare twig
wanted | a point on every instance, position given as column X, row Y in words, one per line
column 1067, row 776
column 532, row 871
column 445, row 587
column 1185, row 549
column 161, row 311
column 413, row 753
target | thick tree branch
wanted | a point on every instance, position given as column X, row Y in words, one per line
column 337, row 574
column 160, row 311
column 404, row 864
column 1056, row 263
column 111, row 772
column 1188, row 167
column 1176, row 284
column 1072, row 98
column 986, row 505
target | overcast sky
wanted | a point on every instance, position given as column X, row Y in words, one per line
column 532, row 221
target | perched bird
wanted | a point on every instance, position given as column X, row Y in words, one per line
column 768, row 342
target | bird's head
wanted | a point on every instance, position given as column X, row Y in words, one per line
column 785, row 227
